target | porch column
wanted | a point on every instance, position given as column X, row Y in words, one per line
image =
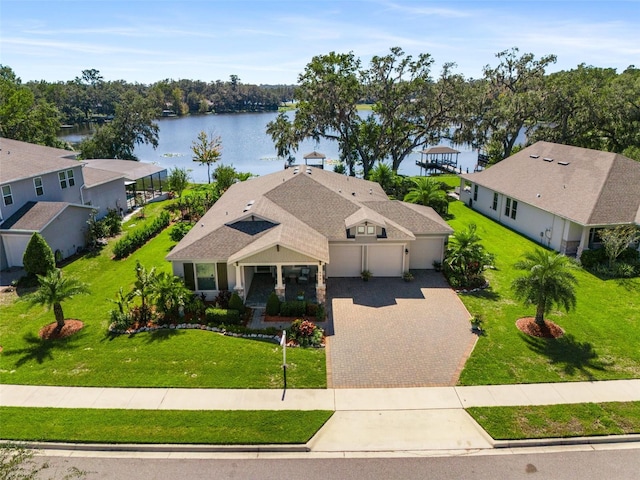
column 280, row 287
column 321, row 288
column 239, row 288
column 584, row 241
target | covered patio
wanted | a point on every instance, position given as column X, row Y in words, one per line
column 143, row 181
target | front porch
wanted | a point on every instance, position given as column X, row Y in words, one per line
column 263, row 284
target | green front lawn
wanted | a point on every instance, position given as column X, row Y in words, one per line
column 86, row 425
column 558, row 421
column 165, row 358
column 601, row 335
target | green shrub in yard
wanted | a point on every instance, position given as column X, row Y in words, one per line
column 38, row 258
column 296, row 308
column 235, row 303
column 179, row 230
column 273, row 304
column 218, row 316
column 134, row 240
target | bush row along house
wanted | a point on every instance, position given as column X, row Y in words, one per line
column 558, row 195
column 47, row 190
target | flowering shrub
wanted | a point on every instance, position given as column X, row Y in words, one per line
column 306, row 333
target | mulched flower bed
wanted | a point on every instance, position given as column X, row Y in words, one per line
column 529, row 326
column 49, row 332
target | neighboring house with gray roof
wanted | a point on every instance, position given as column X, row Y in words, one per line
column 47, row 190
column 558, row 195
column 306, row 218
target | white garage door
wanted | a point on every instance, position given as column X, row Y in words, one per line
column 385, row 260
column 424, row 251
column 344, row 261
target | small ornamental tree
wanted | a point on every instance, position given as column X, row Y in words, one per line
column 38, row 258
column 235, row 303
column 273, row 304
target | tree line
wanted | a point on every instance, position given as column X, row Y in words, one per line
column 588, row 106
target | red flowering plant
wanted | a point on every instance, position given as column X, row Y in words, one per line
column 306, row 333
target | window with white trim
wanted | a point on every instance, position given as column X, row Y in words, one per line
column 514, row 209
column 494, row 206
column 206, row 276
column 511, row 208
column 475, row 193
column 6, row 195
column 37, row 184
column 66, row 179
column 366, row 229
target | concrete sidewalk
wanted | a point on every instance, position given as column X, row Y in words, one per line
column 366, row 420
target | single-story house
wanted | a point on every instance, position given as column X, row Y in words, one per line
column 308, row 224
column 558, row 195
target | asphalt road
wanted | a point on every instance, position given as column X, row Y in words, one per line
column 569, row 464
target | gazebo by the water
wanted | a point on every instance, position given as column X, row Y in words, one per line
column 438, row 159
column 315, row 157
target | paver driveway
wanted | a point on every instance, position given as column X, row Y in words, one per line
column 391, row 333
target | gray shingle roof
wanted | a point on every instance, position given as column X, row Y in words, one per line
column 20, row 160
column 589, row 187
column 308, row 210
column 129, row 169
column 34, row 216
column 94, row 176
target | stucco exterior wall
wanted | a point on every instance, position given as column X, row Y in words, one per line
column 110, row 195
column 67, row 232
column 23, row 191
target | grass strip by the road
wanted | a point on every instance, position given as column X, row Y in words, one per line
column 558, row 421
column 235, row 427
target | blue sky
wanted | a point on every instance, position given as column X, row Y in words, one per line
column 272, row 41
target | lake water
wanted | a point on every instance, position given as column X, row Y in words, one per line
column 245, row 145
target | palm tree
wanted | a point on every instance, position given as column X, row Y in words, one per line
column 169, row 293
column 53, row 290
column 143, row 288
column 466, row 256
column 385, row 176
column 547, row 281
column 427, row 191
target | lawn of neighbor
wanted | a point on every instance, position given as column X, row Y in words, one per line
column 601, row 335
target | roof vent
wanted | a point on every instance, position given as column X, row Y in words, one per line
column 563, row 163
column 353, row 193
column 534, row 156
column 548, row 159
column 251, row 202
column 309, row 170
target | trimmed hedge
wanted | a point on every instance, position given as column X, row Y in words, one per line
column 218, row 316
column 297, row 308
column 136, row 239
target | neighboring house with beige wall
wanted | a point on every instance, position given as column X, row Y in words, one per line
column 558, row 195
column 311, row 219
